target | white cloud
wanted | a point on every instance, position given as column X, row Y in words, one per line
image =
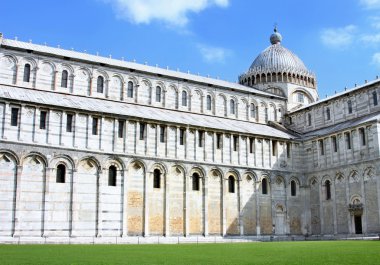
column 173, row 12
column 376, row 59
column 370, row 4
column 375, row 22
column 371, row 39
column 338, row 37
column 213, row 54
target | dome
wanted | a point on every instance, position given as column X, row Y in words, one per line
column 276, row 58
column 278, row 64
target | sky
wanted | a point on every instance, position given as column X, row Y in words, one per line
column 339, row 40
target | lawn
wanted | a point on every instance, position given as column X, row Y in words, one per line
column 321, row 252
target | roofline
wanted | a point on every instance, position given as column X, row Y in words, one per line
column 291, row 136
column 340, row 94
column 104, row 61
column 314, row 137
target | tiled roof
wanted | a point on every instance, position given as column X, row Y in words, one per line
column 181, row 118
column 341, row 126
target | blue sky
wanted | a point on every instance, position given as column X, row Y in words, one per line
column 339, row 40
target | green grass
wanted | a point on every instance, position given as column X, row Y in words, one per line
column 279, row 253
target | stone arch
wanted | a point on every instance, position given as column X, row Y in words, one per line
column 34, row 169
column 180, row 169
column 70, row 78
column 52, row 64
column 11, row 154
column 116, row 87
column 102, row 73
column 294, row 178
column 37, row 155
column 82, row 82
column 356, row 198
column 281, row 112
column 216, row 171
column 189, row 100
column 198, row 169
column 172, row 98
column 8, row 66
column 162, row 167
column 68, row 67
column 235, row 101
column 354, row 176
column 215, row 205
column 369, row 173
column 221, row 105
column 243, row 109
column 265, row 178
column 88, row 175
column 232, row 194
column 65, row 159
column 137, row 163
column 339, row 177
column 8, row 174
column 144, row 92
column 114, row 161
column 162, row 85
column 132, row 78
column 326, row 177
column 234, row 173
column 97, row 73
column 213, row 105
column 30, row 60
column 313, row 181
column 93, row 162
column 196, row 101
column 46, row 75
column 252, row 175
column 280, row 208
column 306, row 93
column 272, row 112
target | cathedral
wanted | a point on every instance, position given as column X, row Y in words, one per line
column 94, row 149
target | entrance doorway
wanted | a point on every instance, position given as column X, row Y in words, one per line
column 358, row 224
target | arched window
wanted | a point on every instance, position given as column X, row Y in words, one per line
column 27, row 73
column 231, row 184
column 232, row 107
column 264, row 186
column 208, row 102
column 309, row 119
column 112, row 176
column 156, row 179
column 158, row 94
column 130, row 89
column 196, row 181
column 64, row 78
column 349, row 106
column 253, row 111
column 328, row 189
column 61, row 173
column 293, row 188
column 301, row 98
column 328, row 114
column 374, row 96
column 184, row 98
column 100, row 84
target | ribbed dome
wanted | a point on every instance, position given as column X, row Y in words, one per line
column 276, row 64
column 277, row 58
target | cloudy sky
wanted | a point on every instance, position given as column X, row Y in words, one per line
column 339, row 40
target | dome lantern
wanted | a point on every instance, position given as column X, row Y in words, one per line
column 276, row 37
